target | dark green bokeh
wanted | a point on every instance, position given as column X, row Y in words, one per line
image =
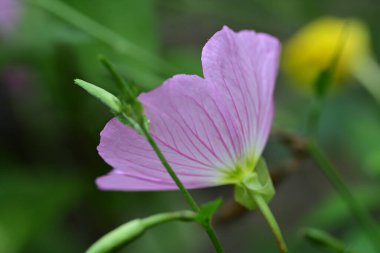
column 50, row 128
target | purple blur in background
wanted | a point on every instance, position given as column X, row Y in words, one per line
column 9, row 16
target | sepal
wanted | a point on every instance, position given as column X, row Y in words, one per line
column 258, row 182
column 104, row 96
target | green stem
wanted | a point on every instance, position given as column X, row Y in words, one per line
column 214, row 239
column 271, row 220
column 358, row 212
column 103, row 34
column 120, row 82
column 160, row 218
column 186, row 194
column 314, row 116
column 323, row 239
column 131, row 230
column 139, row 119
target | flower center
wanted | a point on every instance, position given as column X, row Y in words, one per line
column 238, row 173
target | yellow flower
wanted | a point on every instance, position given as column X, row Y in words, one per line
column 313, row 48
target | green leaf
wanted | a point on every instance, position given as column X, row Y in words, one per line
column 256, row 183
column 104, row 96
column 207, row 210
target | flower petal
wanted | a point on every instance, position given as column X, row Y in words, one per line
column 204, row 127
column 137, row 165
column 244, row 66
column 189, row 120
column 123, row 182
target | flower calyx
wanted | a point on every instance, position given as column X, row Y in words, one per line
column 255, row 183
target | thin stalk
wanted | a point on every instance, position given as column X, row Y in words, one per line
column 132, row 230
column 160, row 218
column 335, row 179
column 213, row 237
column 186, row 194
column 103, row 34
column 271, row 220
column 142, row 128
column 325, row 240
column 314, row 117
column 121, row 84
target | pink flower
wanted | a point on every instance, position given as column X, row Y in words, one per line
column 212, row 130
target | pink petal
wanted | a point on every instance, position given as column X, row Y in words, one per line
column 136, row 166
column 244, row 66
column 122, row 182
column 187, row 117
column 204, row 127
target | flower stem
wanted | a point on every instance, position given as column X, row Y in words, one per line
column 131, row 230
column 186, row 194
column 160, row 218
column 138, row 121
column 358, row 212
column 325, row 240
column 103, row 34
column 271, row 220
column 314, row 117
column 214, row 239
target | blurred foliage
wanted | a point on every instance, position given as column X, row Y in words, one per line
column 50, row 127
column 27, row 212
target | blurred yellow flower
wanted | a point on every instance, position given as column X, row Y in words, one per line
column 312, row 49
